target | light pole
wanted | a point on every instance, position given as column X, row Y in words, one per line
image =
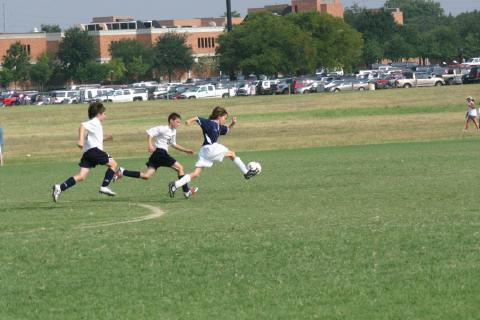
column 229, row 15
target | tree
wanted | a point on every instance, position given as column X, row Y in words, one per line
column 267, row 44
column 337, row 44
column 116, row 70
column 379, row 32
column 41, row 71
column 137, row 68
column 136, row 56
column 172, row 54
column 93, row 72
column 206, row 66
column 469, row 31
column 50, row 28
column 424, row 14
column 75, row 51
column 17, row 61
column 6, row 77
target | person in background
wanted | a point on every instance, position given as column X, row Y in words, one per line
column 472, row 113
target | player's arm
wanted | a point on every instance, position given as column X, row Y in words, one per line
column 81, row 136
column 191, row 121
column 234, row 122
column 151, row 147
column 181, row 148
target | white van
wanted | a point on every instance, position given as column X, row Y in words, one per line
column 64, row 96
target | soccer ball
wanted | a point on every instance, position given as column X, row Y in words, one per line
column 255, row 166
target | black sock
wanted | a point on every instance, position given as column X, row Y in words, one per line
column 70, row 182
column 131, row 174
column 108, row 177
column 185, row 187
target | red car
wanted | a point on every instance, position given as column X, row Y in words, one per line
column 12, row 99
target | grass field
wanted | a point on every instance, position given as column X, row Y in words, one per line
column 365, row 209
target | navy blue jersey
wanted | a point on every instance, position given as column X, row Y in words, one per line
column 211, row 130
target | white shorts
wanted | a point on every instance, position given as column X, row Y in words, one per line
column 210, row 153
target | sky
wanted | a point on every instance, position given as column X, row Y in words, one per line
column 25, row 15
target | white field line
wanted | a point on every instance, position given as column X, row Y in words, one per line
column 155, row 214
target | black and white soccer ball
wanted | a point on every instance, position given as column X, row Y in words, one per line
column 254, row 166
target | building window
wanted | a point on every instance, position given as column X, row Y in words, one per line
column 213, row 42
column 198, row 43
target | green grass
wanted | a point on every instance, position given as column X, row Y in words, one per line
column 368, row 231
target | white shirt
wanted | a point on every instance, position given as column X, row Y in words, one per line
column 94, row 134
column 165, row 136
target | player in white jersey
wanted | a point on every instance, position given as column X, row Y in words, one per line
column 164, row 137
column 211, row 150
column 472, row 113
column 90, row 139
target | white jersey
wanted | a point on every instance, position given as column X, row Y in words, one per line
column 94, row 134
column 165, row 136
column 472, row 112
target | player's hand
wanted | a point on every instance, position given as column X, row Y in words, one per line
column 234, row 120
column 151, row 149
column 189, row 152
column 109, row 137
column 80, row 145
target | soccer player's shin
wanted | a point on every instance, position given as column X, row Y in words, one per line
column 183, row 181
column 70, row 182
column 108, row 177
column 185, row 187
column 131, row 174
column 239, row 163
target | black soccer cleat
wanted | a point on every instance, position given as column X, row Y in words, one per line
column 250, row 173
column 172, row 189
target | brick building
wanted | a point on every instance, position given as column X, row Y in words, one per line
column 332, row 7
column 201, row 35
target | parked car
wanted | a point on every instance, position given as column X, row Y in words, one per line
column 264, row 87
column 348, row 85
column 127, row 95
column 246, row 89
column 308, row 88
column 64, row 96
column 419, row 79
column 282, row 86
column 205, row 91
column 384, row 81
column 472, row 77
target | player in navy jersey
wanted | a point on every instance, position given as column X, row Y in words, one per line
column 164, row 136
column 211, row 150
column 90, row 139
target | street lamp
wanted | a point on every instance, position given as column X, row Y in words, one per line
column 229, row 16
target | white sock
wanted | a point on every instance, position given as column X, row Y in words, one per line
column 183, row 181
column 240, row 165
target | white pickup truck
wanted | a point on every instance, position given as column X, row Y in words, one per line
column 207, row 91
column 127, row 95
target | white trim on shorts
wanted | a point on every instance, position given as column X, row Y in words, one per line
column 210, row 153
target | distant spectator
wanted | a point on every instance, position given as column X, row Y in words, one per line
column 1, row 146
column 471, row 114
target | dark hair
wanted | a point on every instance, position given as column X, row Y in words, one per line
column 173, row 116
column 95, row 108
column 218, row 112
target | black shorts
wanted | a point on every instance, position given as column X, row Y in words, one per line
column 160, row 158
column 93, row 157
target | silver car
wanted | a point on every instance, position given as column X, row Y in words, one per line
column 348, row 85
